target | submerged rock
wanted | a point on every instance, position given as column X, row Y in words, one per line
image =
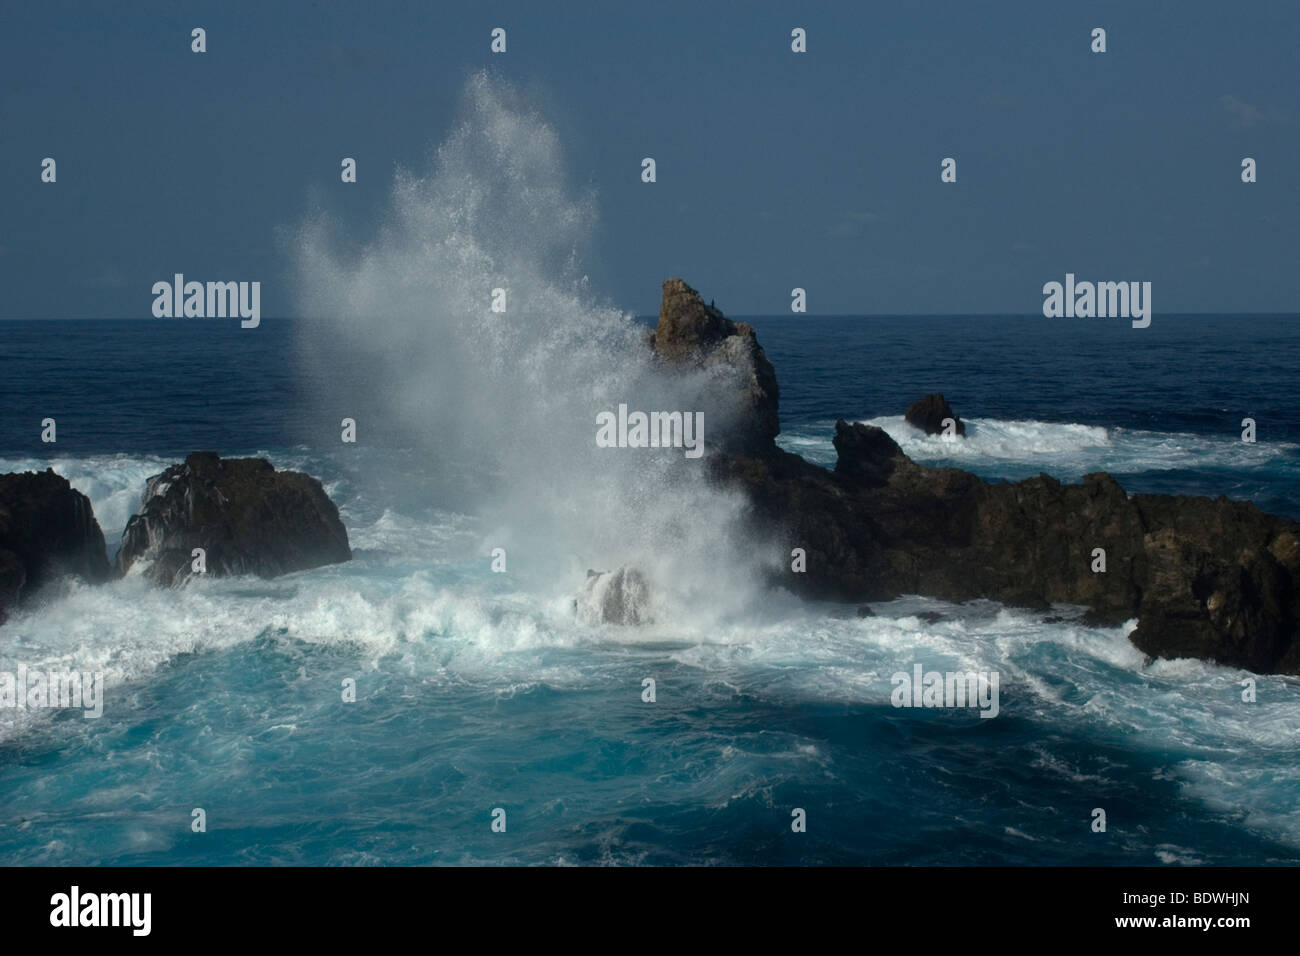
column 928, row 414
column 47, row 529
column 246, row 516
column 617, row 597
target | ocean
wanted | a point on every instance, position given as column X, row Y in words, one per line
column 478, row 692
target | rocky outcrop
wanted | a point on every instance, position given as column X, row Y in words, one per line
column 617, row 597
column 929, row 413
column 47, row 529
column 692, row 333
column 1206, row 578
column 247, row 517
column 1221, row 582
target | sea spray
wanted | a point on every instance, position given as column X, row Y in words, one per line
column 501, row 403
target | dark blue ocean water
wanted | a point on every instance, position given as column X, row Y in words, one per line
column 477, row 695
column 171, row 387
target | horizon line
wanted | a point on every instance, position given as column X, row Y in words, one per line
column 651, row 315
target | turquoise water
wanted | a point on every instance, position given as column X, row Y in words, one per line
column 477, row 691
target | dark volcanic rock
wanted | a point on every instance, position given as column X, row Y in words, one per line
column 690, row 332
column 928, row 414
column 1221, row 583
column 866, row 453
column 248, row 518
column 47, row 529
column 1206, row 578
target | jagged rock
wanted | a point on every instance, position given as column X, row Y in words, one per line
column 1221, row 583
column 47, row 529
column 618, row 597
column 929, row 412
column 248, row 518
column 866, row 453
column 1207, row 578
column 690, row 332
column 864, row 610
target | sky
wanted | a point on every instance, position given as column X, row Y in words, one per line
column 775, row 169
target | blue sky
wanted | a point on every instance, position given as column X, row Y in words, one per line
column 775, row 170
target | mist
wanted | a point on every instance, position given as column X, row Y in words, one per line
column 503, row 406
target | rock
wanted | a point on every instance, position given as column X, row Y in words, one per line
column 248, row 518
column 866, row 453
column 864, row 610
column 929, row 412
column 13, row 576
column 618, row 597
column 47, row 529
column 698, row 335
column 930, row 617
column 1208, row 578
column 1224, row 583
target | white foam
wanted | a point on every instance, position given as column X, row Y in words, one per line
column 113, row 483
column 413, row 598
column 513, row 396
column 1015, row 448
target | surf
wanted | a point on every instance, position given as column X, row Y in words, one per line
column 501, row 404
